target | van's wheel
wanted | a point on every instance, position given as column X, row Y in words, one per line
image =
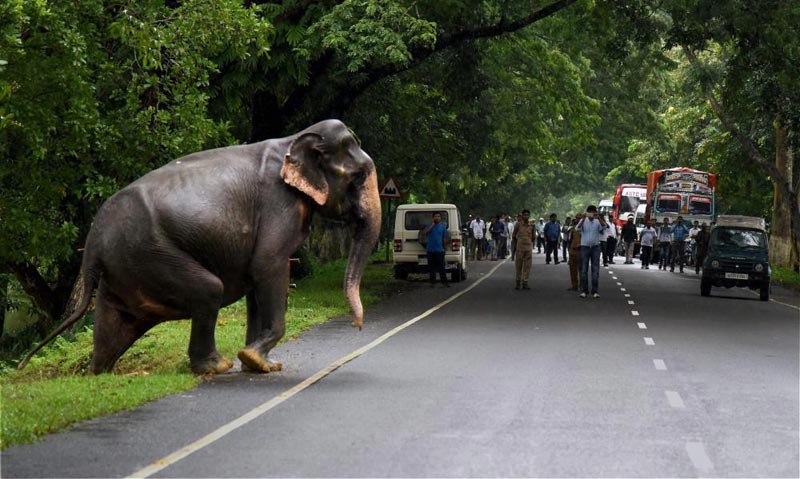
column 463, row 274
column 400, row 273
column 705, row 287
column 764, row 291
column 455, row 275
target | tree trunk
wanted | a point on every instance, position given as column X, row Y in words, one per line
column 781, row 248
column 50, row 301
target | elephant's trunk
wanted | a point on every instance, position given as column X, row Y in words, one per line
column 367, row 227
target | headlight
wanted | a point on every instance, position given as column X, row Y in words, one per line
column 715, row 264
column 759, row 267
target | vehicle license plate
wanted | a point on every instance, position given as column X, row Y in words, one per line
column 735, row 276
column 424, row 262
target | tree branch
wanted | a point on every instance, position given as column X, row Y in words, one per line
column 419, row 55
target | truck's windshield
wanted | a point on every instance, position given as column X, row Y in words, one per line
column 669, row 204
column 738, row 238
column 699, row 206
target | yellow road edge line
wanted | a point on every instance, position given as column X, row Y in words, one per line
column 222, row 431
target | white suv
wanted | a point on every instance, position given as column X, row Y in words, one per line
column 409, row 242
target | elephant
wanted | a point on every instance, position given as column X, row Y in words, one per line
column 207, row 229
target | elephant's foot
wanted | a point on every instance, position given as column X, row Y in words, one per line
column 252, row 360
column 212, row 365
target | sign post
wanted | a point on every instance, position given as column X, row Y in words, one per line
column 390, row 190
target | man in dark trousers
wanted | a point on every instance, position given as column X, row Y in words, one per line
column 629, row 238
column 552, row 230
column 701, row 240
column 436, row 233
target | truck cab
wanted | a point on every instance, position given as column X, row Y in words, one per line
column 738, row 255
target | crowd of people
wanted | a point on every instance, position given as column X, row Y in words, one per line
column 583, row 242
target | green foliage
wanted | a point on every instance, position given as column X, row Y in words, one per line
column 55, row 389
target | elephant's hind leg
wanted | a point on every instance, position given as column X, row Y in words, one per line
column 114, row 332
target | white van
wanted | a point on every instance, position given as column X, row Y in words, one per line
column 410, row 255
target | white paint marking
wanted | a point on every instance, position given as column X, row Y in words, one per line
column 627, row 295
column 610, row 272
column 272, row 403
column 622, row 289
column 697, row 453
column 674, row 399
column 619, row 284
column 614, row 277
column 642, row 325
column 660, row 365
column 649, row 342
column 630, row 302
column 635, row 313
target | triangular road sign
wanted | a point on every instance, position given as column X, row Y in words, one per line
column 390, row 189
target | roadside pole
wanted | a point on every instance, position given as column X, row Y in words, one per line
column 390, row 190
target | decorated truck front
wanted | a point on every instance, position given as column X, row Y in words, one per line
column 682, row 192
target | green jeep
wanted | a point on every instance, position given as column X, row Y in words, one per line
column 738, row 255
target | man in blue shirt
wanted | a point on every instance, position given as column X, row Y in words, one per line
column 437, row 234
column 679, row 234
column 552, row 230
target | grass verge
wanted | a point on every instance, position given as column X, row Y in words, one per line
column 786, row 277
column 55, row 391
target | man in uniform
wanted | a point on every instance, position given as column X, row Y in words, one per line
column 679, row 234
column 524, row 233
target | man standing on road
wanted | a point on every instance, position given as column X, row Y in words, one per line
column 575, row 254
column 478, row 227
column 524, row 232
column 591, row 229
column 664, row 240
column 647, row 237
column 692, row 242
column 702, row 238
column 539, row 236
column 436, row 232
column 551, row 232
column 566, row 232
column 679, row 234
column 629, row 238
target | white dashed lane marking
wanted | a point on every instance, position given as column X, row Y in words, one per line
column 627, row 295
column 674, row 399
column 659, row 364
column 631, row 302
column 619, row 284
column 635, row 313
column 622, row 289
column 642, row 325
column 697, row 453
column 649, row 342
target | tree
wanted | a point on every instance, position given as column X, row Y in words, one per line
column 93, row 97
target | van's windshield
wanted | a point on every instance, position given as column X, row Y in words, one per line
column 723, row 237
column 417, row 220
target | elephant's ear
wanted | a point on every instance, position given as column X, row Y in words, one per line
column 303, row 169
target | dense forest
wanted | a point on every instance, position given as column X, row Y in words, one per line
column 492, row 105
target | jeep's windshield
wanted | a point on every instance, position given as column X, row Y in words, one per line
column 738, row 238
column 417, row 220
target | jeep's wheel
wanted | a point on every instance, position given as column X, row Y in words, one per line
column 764, row 291
column 463, row 274
column 400, row 273
column 455, row 275
column 705, row 287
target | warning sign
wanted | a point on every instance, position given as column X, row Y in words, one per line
column 390, row 189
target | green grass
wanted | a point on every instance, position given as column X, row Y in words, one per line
column 786, row 277
column 55, row 390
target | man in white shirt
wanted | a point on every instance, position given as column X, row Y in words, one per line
column 692, row 234
column 478, row 227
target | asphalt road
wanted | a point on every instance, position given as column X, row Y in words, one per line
column 650, row 380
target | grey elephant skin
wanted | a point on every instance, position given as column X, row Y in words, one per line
column 209, row 228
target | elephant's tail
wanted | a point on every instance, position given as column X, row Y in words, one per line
column 88, row 281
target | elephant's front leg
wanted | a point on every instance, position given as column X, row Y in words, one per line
column 266, row 322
